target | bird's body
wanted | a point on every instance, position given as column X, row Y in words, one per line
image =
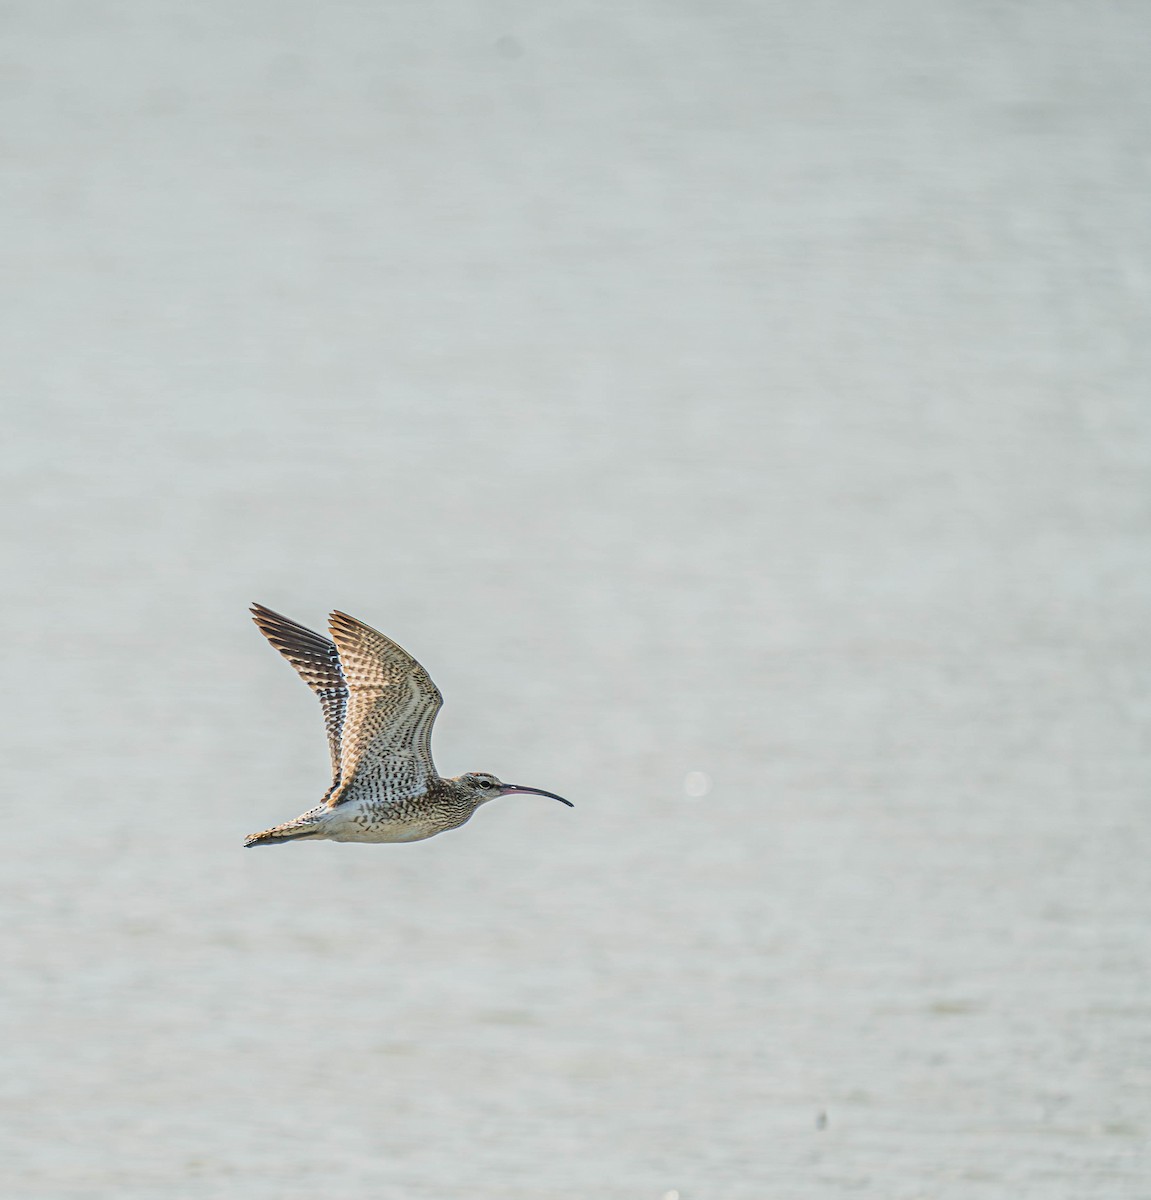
column 379, row 705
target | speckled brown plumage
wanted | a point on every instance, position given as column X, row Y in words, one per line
column 379, row 706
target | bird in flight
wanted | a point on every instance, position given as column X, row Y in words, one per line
column 379, row 705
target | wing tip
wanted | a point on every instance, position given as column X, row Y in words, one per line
column 273, row 625
column 262, row 614
column 347, row 624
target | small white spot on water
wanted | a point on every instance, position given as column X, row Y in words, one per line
column 672, row 1195
column 696, row 784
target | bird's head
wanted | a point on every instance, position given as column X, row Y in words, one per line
column 483, row 787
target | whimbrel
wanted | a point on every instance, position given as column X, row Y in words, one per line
column 379, row 705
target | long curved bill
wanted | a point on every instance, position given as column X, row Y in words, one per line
column 509, row 789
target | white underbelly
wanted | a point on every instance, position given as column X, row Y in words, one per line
column 383, row 831
column 366, row 823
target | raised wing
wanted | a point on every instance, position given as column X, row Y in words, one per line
column 318, row 663
column 392, row 705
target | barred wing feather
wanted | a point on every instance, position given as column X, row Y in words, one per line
column 391, row 706
column 317, row 662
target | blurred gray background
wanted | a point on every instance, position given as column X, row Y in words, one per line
column 746, row 399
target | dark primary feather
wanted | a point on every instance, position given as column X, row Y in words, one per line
column 317, row 661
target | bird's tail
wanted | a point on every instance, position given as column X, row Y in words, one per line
column 290, row 831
